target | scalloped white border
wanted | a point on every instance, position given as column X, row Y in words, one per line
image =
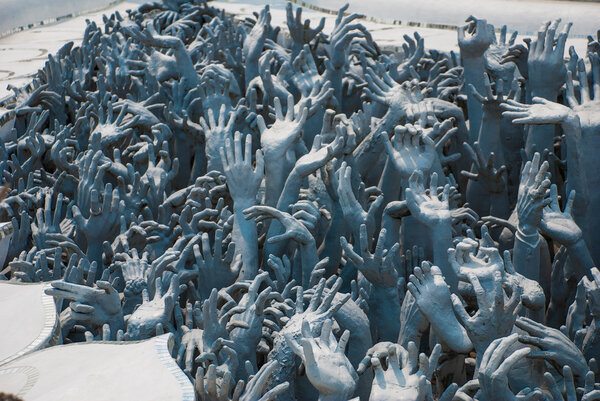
column 47, row 332
column 164, row 355
column 32, row 376
column 163, row 345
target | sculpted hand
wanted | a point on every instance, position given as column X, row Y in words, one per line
column 427, row 207
column 494, row 368
column 560, row 225
column 546, row 68
column 534, row 189
column 428, row 287
column 285, row 131
column 243, row 181
column 410, row 150
column 91, row 305
column 495, row 316
column 215, row 270
column 480, row 36
column 327, row 366
column 153, row 316
column 404, row 378
column 216, row 133
column 378, row 267
column 300, row 32
column 553, row 345
column 491, row 178
column 293, row 228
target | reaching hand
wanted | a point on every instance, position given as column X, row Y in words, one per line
column 410, row 150
column 404, row 378
column 427, row 207
column 494, row 368
column 243, row 181
column 327, row 366
column 378, row 267
column 560, row 225
column 89, row 305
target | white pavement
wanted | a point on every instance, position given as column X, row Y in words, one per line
column 385, row 34
column 524, row 16
column 23, row 53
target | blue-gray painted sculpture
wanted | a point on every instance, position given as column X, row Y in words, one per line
column 313, row 215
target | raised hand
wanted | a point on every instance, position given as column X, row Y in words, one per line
column 215, row 269
column 494, row 368
column 546, row 69
column 557, row 224
column 93, row 306
column 534, row 188
column 410, row 150
column 327, row 366
column 351, row 207
column 293, row 228
column 103, row 220
column 427, row 207
column 300, row 32
column 496, row 309
column 404, row 378
column 554, row 346
column 378, row 267
column 432, row 295
column 279, row 137
column 216, row 133
column 153, row 316
column 243, row 181
column 490, row 178
column 475, row 37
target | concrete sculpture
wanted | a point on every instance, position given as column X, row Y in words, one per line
column 286, row 213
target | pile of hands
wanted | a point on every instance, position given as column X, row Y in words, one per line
column 312, row 216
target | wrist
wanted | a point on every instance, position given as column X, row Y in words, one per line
column 571, row 122
column 242, row 203
column 116, row 322
column 528, row 234
column 544, row 92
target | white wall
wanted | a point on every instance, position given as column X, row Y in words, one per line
column 17, row 13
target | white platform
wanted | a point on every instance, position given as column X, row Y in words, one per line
column 99, row 371
column 28, row 319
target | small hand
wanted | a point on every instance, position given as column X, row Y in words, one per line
column 327, row 366
column 558, row 225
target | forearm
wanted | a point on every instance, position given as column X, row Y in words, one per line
column 499, row 206
column 245, row 238
column 489, row 136
column 331, row 247
column 186, row 66
column 591, row 342
column 576, row 167
column 94, row 254
column 390, row 183
column 275, row 178
column 289, row 196
column 335, row 397
column 474, row 68
column 336, row 76
column 526, row 255
column 310, row 258
column 580, row 257
column 441, row 236
column 540, row 137
column 251, row 70
column 392, row 228
column 387, row 312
